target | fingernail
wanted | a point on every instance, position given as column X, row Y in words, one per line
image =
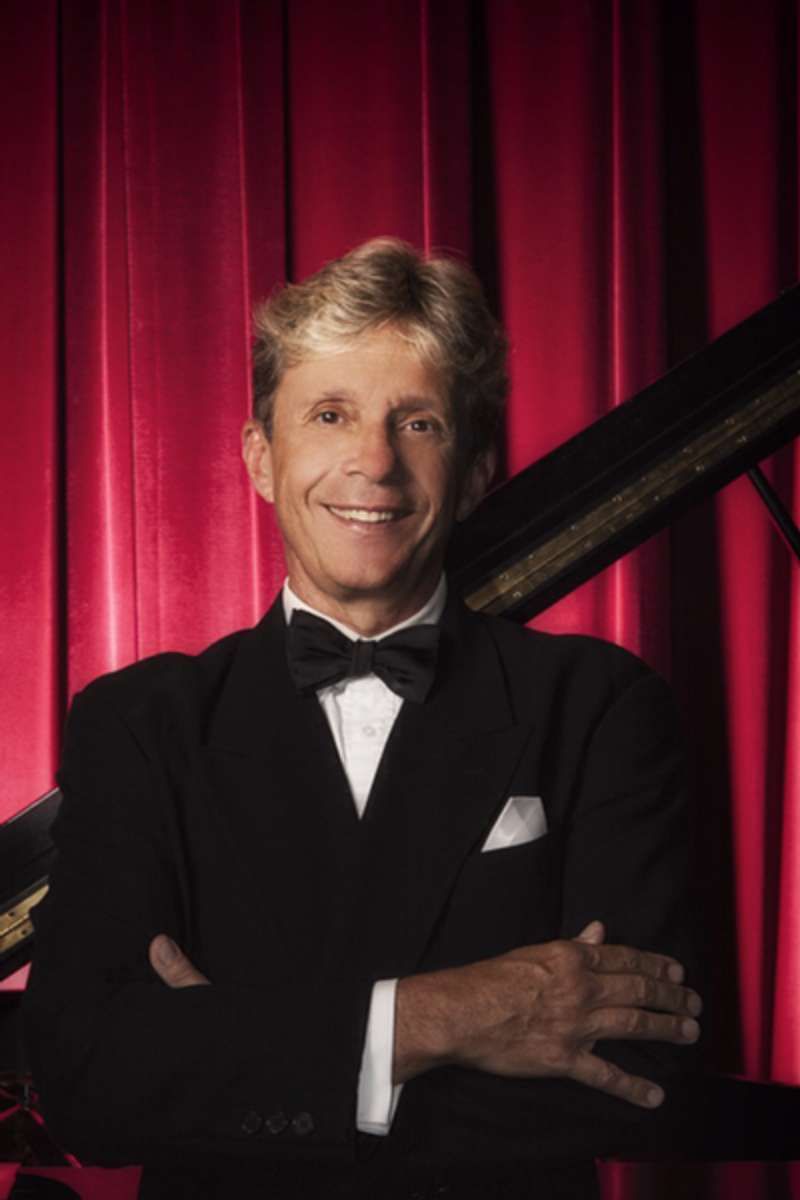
column 654, row 1097
column 167, row 951
column 695, row 1005
column 675, row 972
column 690, row 1030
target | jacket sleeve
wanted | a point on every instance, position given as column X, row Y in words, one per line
column 624, row 861
column 128, row 1069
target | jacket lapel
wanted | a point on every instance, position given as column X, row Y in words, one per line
column 283, row 805
column 442, row 781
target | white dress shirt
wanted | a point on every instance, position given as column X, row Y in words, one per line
column 361, row 713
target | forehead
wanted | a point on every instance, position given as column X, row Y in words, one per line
column 380, row 365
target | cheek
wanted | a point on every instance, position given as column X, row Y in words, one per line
column 432, row 468
column 441, row 490
column 295, row 488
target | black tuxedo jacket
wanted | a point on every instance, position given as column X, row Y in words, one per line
column 203, row 797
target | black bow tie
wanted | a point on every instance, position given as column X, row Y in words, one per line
column 319, row 655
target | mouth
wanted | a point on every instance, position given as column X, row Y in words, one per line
column 367, row 516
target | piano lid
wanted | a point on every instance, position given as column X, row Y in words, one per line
column 579, row 508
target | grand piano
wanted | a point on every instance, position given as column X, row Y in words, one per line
column 534, row 539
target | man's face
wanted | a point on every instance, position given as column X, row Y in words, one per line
column 361, row 467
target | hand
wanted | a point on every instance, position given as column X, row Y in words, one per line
column 171, row 964
column 538, row 1010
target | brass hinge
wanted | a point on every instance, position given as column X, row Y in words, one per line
column 15, row 923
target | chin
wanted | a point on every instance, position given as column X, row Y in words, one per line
column 361, row 576
column 358, row 584
column 367, row 586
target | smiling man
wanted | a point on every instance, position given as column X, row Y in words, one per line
column 381, row 898
column 361, row 461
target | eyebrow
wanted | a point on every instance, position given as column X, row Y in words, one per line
column 405, row 401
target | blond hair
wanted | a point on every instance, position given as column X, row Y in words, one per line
column 435, row 302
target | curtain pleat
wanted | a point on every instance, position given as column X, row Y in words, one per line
column 747, row 260
column 31, row 645
column 624, row 176
column 100, row 501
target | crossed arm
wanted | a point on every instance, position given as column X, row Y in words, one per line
column 535, row 1012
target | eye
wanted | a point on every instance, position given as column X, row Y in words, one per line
column 328, row 416
column 423, row 425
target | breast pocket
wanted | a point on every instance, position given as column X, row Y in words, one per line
column 501, row 899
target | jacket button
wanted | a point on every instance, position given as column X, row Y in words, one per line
column 251, row 1122
column 302, row 1124
column 276, row 1123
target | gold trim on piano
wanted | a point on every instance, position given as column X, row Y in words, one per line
column 15, row 923
column 645, row 495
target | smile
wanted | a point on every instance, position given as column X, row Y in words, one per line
column 367, row 516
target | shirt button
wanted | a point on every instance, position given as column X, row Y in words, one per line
column 302, row 1124
column 276, row 1123
column 251, row 1122
column 369, row 731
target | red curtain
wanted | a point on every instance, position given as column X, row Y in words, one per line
column 624, row 176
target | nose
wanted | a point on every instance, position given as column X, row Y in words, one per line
column 374, row 454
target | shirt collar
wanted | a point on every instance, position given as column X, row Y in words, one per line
column 430, row 613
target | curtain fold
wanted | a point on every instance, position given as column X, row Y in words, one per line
column 624, row 176
column 743, row 93
column 31, row 530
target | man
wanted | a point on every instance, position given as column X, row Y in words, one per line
column 335, row 900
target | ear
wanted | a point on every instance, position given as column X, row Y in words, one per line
column 476, row 483
column 257, row 455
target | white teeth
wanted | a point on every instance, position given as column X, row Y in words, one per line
column 363, row 514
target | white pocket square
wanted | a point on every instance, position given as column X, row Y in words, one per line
column 522, row 820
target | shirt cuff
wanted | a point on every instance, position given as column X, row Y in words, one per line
column 377, row 1096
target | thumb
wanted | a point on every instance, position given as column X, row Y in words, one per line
column 594, row 933
column 171, row 964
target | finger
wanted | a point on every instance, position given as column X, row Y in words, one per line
column 629, row 960
column 598, row 1073
column 643, row 991
column 594, row 933
column 638, row 1024
column 171, row 964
